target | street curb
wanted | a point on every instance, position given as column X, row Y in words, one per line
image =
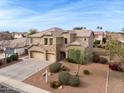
column 107, row 80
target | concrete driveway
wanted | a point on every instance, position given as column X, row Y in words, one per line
column 23, row 69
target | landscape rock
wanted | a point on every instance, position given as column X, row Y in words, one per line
column 61, row 87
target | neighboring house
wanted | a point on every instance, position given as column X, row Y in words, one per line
column 115, row 35
column 5, row 36
column 99, row 36
column 17, row 46
column 53, row 44
column 4, row 44
column 17, row 35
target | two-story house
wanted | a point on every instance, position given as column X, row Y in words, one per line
column 53, row 44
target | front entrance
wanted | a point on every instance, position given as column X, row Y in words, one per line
column 63, row 55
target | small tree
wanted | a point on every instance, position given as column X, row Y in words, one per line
column 32, row 31
column 78, row 28
column 113, row 47
column 75, row 56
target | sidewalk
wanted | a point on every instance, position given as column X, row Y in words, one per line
column 20, row 86
column 116, row 82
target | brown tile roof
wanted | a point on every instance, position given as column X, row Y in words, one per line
column 83, row 33
column 56, row 32
column 77, row 43
column 5, row 36
column 18, row 43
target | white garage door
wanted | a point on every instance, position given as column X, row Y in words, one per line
column 51, row 57
column 37, row 55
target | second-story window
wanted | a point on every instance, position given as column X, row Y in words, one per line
column 51, row 41
column 45, row 41
column 66, row 41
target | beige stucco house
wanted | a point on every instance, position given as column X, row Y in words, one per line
column 53, row 44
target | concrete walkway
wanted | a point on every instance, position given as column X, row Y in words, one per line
column 116, row 82
column 19, row 86
column 23, row 69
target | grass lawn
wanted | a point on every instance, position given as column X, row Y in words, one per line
column 94, row 83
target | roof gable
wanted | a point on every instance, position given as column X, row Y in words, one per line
column 52, row 31
column 83, row 33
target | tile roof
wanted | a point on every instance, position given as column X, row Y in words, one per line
column 78, row 43
column 56, row 32
column 16, row 43
column 83, row 33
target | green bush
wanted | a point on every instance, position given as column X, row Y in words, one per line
column 55, row 84
column 74, row 80
column 103, row 60
column 55, row 67
column 97, row 42
column 14, row 57
column 96, row 58
column 86, row 72
column 8, row 59
column 64, row 77
column 76, row 56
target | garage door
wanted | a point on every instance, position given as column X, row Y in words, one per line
column 51, row 57
column 37, row 55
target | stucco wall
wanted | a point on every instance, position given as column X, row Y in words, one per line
column 91, row 40
column 20, row 51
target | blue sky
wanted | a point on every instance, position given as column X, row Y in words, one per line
column 22, row 15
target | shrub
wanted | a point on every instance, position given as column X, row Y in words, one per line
column 74, row 80
column 8, row 59
column 99, row 46
column 55, row 84
column 1, row 63
column 64, row 77
column 76, row 56
column 55, row 67
column 103, row 60
column 86, row 72
column 96, row 58
column 14, row 57
column 115, row 66
column 97, row 42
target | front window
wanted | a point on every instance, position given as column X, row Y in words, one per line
column 51, row 41
column 66, row 41
column 45, row 41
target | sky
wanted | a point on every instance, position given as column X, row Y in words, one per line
column 22, row 15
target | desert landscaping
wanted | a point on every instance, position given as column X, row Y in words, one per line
column 95, row 82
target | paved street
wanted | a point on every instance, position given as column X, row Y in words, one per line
column 24, row 69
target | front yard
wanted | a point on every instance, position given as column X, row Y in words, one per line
column 93, row 83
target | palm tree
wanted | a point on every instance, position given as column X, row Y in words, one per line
column 99, row 27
